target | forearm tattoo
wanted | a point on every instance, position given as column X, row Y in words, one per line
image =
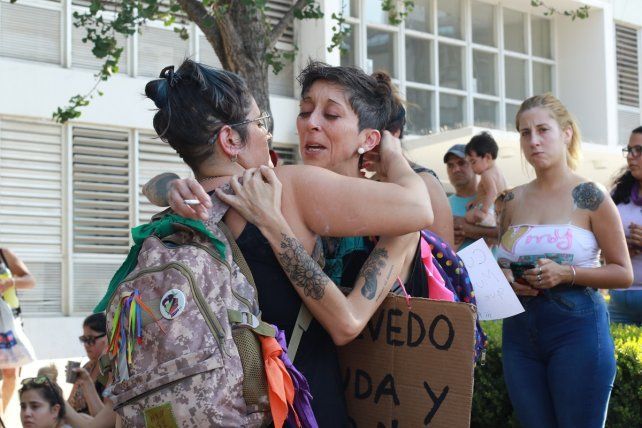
column 370, row 270
column 302, row 270
column 156, row 189
column 587, row 196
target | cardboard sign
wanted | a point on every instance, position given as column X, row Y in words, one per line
column 411, row 367
column 494, row 295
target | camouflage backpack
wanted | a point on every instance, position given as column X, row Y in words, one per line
column 183, row 321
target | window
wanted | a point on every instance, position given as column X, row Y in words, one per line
column 101, row 202
column 449, row 18
column 31, row 212
column 486, row 113
column 484, row 74
column 628, row 83
column 158, row 48
column 541, row 37
column 515, row 74
column 381, row 51
column 155, row 157
column 420, row 19
column 418, row 60
column 451, row 111
column 514, row 34
column 451, row 66
column 447, row 58
column 419, row 105
column 26, row 32
column 483, row 17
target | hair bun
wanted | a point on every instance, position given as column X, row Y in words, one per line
column 157, row 91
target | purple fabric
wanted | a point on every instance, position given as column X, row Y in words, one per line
column 302, row 395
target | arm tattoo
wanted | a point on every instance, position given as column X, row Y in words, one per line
column 509, row 196
column 156, row 189
column 587, row 196
column 302, row 270
column 370, row 270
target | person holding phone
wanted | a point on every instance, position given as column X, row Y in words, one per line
column 89, row 382
column 625, row 306
column 558, row 355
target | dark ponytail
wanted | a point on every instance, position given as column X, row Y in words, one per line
column 622, row 186
column 397, row 120
column 194, row 103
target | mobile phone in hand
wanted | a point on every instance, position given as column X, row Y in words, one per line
column 518, row 269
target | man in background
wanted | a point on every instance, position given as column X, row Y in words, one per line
column 464, row 180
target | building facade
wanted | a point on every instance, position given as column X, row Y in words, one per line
column 70, row 193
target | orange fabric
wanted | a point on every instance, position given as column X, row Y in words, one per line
column 280, row 386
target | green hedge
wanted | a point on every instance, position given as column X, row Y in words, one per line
column 491, row 405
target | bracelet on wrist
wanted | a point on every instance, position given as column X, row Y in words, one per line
column 574, row 273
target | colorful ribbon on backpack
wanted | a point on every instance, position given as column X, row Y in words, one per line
column 161, row 228
column 127, row 327
column 288, row 389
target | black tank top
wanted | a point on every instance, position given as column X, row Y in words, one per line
column 280, row 303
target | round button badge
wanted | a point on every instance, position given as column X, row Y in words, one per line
column 172, row 304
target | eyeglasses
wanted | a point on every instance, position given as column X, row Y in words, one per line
column 90, row 340
column 634, row 151
column 264, row 121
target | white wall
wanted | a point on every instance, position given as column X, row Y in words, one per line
column 586, row 73
column 55, row 337
column 628, row 12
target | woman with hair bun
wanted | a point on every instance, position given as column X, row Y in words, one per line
column 209, row 117
column 558, row 355
column 625, row 306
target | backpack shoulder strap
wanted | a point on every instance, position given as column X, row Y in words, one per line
column 301, row 325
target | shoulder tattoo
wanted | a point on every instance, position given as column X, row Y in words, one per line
column 370, row 271
column 587, row 196
column 509, row 196
column 302, row 270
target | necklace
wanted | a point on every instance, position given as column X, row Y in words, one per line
column 635, row 194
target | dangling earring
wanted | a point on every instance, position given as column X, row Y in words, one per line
column 361, row 150
column 234, row 158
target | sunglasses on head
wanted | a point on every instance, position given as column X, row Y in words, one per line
column 90, row 340
column 40, row 380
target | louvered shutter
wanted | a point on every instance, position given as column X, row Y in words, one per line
column 30, row 32
column 100, row 191
column 627, row 66
column 158, row 48
column 46, row 297
column 155, row 157
column 31, row 187
column 31, row 208
column 627, row 122
column 82, row 57
column 206, row 53
column 288, row 154
column 274, row 10
column 91, row 280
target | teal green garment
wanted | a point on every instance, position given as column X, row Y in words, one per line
column 334, row 262
column 161, row 228
column 458, row 206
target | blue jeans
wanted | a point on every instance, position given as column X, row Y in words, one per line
column 625, row 306
column 559, row 359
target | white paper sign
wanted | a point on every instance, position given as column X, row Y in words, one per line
column 495, row 297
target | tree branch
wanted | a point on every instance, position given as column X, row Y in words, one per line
column 282, row 25
column 206, row 22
